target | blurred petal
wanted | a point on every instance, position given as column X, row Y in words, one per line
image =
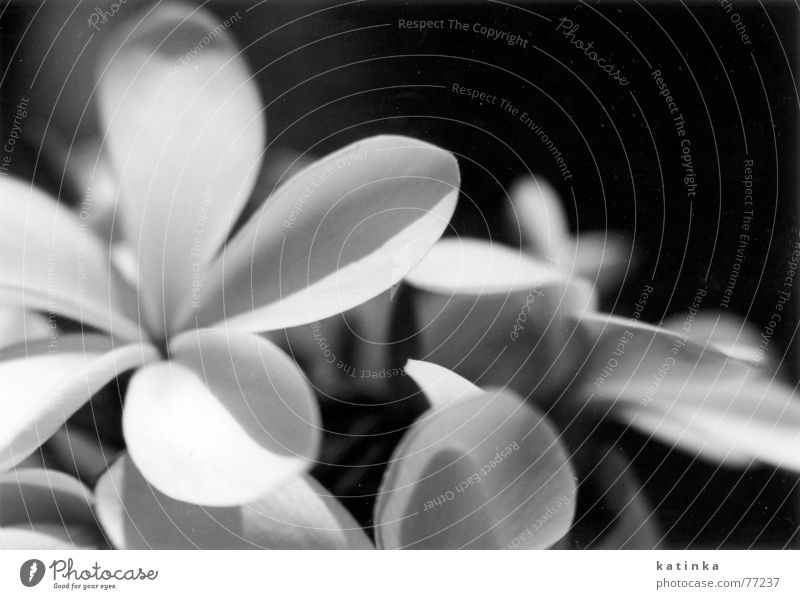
column 51, row 261
column 45, row 509
column 727, row 332
column 440, row 385
column 519, row 334
column 486, row 472
column 186, row 129
column 335, row 235
column 18, row 325
column 536, row 211
column 297, row 514
column 477, row 266
column 224, row 422
column 46, row 381
column 694, row 388
column 602, row 257
column 49, row 536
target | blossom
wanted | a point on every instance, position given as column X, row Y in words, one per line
column 479, row 469
column 46, row 509
column 535, row 213
column 500, row 317
column 214, row 414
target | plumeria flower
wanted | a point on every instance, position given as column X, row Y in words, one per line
column 536, row 214
column 46, row 509
column 503, row 318
column 214, row 414
column 479, row 469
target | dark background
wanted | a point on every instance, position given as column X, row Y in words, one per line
column 330, row 74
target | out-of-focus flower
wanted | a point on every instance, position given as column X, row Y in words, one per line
column 536, row 213
column 296, row 514
column 502, row 318
column 46, row 509
column 214, row 414
column 480, row 470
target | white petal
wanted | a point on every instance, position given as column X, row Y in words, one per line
column 18, row 325
column 224, row 422
column 601, row 257
column 45, row 509
column 440, row 385
column 51, row 261
column 727, row 332
column 521, row 334
column 46, row 381
column 537, row 212
column 484, row 472
column 476, row 266
column 297, row 514
column 696, row 388
column 335, row 235
column 186, row 129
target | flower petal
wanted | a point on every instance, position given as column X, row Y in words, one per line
column 440, row 385
column 51, row 261
column 335, row 235
column 536, row 211
column 517, row 333
column 695, row 388
column 186, row 130
column 38, row 495
column 297, row 514
column 727, row 332
column 601, row 257
column 18, row 325
column 483, row 472
column 224, row 422
column 46, row 381
column 44, row 509
column 49, row 536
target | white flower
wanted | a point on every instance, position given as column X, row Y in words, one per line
column 214, row 414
